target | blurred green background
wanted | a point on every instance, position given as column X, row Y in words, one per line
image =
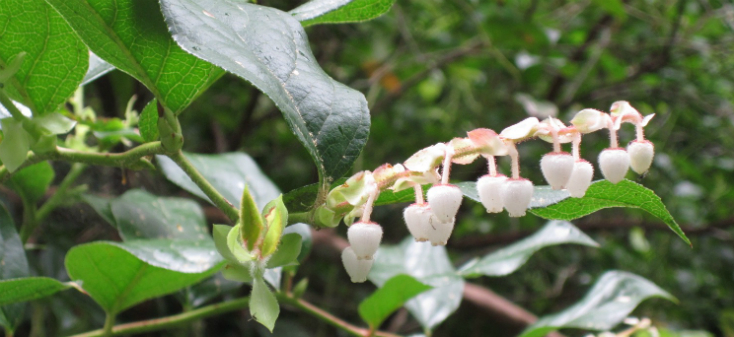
column 432, row 70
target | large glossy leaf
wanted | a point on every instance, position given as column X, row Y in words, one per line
column 55, row 61
column 603, row 194
column 183, row 256
column 13, row 264
column 141, row 215
column 340, row 11
column 28, row 288
column 32, row 182
column 510, row 258
column 269, row 48
column 132, row 36
column 609, row 301
column 390, row 297
column 228, row 173
column 117, row 279
column 429, row 265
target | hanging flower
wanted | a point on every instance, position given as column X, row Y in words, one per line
column 358, row 269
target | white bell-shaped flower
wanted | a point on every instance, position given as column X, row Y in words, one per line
column 445, row 201
column 580, row 179
column 516, row 195
column 364, row 237
column 490, row 192
column 418, row 219
column 556, row 168
column 640, row 153
column 614, row 164
column 439, row 232
column 356, row 268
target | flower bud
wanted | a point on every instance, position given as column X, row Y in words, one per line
column 557, row 167
column 614, row 163
column 490, row 192
column 516, row 195
column 364, row 237
column 580, row 179
column 445, row 201
column 439, row 232
column 418, row 219
column 641, row 153
column 356, row 268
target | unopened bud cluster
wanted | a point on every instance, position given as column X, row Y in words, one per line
column 433, row 220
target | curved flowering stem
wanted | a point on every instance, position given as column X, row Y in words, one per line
column 492, row 166
column 369, row 205
column 576, row 146
column 418, row 194
column 613, row 142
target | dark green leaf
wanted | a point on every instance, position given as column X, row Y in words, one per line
column 97, row 68
column 28, row 288
column 263, row 305
column 510, row 258
column 117, row 279
column 203, row 292
column 429, row 265
column 148, row 123
column 609, row 301
column 228, row 173
column 13, row 264
column 32, row 182
column 55, row 61
column 390, row 297
column 102, row 207
column 287, row 253
column 132, row 36
column 603, row 194
column 341, row 11
column 139, row 214
column 269, row 48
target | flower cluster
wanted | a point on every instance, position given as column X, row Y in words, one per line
column 432, row 220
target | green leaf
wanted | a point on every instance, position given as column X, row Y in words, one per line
column 13, row 264
column 15, row 144
column 54, row 123
column 304, row 231
column 251, row 222
column 55, row 61
column 268, row 48
column 148, row 123
column 101, row 206
column 390, row 297
column 132, row 36
column 276, row 217
column 301, row 199
column 512, row 257
column 229, row 173
column 185, row 256
column 32, row 182
column 609, row 301
column 603, row 194
column 237, row 247
column 97, row 68
column 341, row 11
column 117, row 279
column 139, row 214
column 28, row 289
column 220, row 232
column 263, row 305
column 429, row 265
column 287, row 253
